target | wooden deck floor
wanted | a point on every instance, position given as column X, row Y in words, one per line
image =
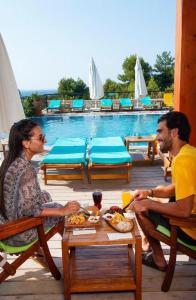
column 33, row 282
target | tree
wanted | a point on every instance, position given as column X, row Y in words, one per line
column 113, row 88
column 70, row 88
column 152, row 85
column 32, row 105
column 163, row 71
column 81, row 90
column 129, row 69
column 110, row 86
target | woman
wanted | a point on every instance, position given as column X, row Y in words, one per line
column 20, row 193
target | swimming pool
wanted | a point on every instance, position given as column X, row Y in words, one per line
column 96, row 125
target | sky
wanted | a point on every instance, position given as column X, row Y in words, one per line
column 48, row 40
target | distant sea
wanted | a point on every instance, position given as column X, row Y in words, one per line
column 26, row 93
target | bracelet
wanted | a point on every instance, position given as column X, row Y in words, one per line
column 152, row 193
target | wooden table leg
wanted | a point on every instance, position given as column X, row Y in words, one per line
column 138, row 268
column 148, row 151
column 66, row 271
column 153, row 151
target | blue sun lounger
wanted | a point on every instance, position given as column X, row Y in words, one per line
column 54, row 104
column 106, row 104
column 146, row 102
column 77, row 105
column 109, row 153
column 67, row 153
column 125, row 103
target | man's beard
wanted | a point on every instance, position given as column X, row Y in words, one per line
column 166, row 146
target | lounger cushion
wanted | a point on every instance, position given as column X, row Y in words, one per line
column 67, row 151
column 110, row 150
column 110, row 158
column 54, row 104
column 75, row 158
column 106, row 102
column 125, row 102
column 78, row 103
column 146, row 101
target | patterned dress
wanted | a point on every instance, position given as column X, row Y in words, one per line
column 23, row 197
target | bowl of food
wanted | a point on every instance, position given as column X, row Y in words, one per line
column 94, row 219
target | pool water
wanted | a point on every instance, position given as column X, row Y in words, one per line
column 89, row 126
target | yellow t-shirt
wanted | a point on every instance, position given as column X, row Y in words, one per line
column 184, row 178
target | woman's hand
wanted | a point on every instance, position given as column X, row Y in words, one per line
column 71, row 207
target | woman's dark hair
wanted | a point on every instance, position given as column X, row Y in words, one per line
column 176, row 119
column 19, row 132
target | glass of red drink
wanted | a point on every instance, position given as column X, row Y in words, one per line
column 97, row 197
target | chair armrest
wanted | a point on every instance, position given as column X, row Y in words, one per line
column 183, row 222
column 18, row 226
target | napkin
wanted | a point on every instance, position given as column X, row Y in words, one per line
column 84, row 231
column 119, row 236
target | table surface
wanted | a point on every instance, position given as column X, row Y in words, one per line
column 149, row 138
column 100, row 237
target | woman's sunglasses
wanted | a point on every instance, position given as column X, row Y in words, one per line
column 41, row 138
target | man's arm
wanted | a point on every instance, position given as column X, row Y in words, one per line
column 158, row 192
column 181, row 208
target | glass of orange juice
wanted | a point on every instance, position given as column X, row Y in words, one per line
column 127, row 197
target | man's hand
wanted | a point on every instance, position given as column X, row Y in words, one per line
column 141, row 194
column 140, row 206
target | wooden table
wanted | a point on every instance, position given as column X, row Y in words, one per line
column 151, row 140
column 93, row 263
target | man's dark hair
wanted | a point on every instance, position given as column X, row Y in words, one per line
column 176, row 119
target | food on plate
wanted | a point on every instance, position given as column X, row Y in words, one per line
column 119, row 222
column 114, row 209
column 93, row 210
column 124, row 226
column 93, row 219
column 117, row 217
column 107, row 216
column 76, row 219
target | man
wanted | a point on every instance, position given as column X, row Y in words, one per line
column 173, row 136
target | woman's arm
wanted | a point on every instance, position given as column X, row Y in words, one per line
column 70, row 208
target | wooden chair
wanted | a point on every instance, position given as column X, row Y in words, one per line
column 12, row 228
column 170, row 238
